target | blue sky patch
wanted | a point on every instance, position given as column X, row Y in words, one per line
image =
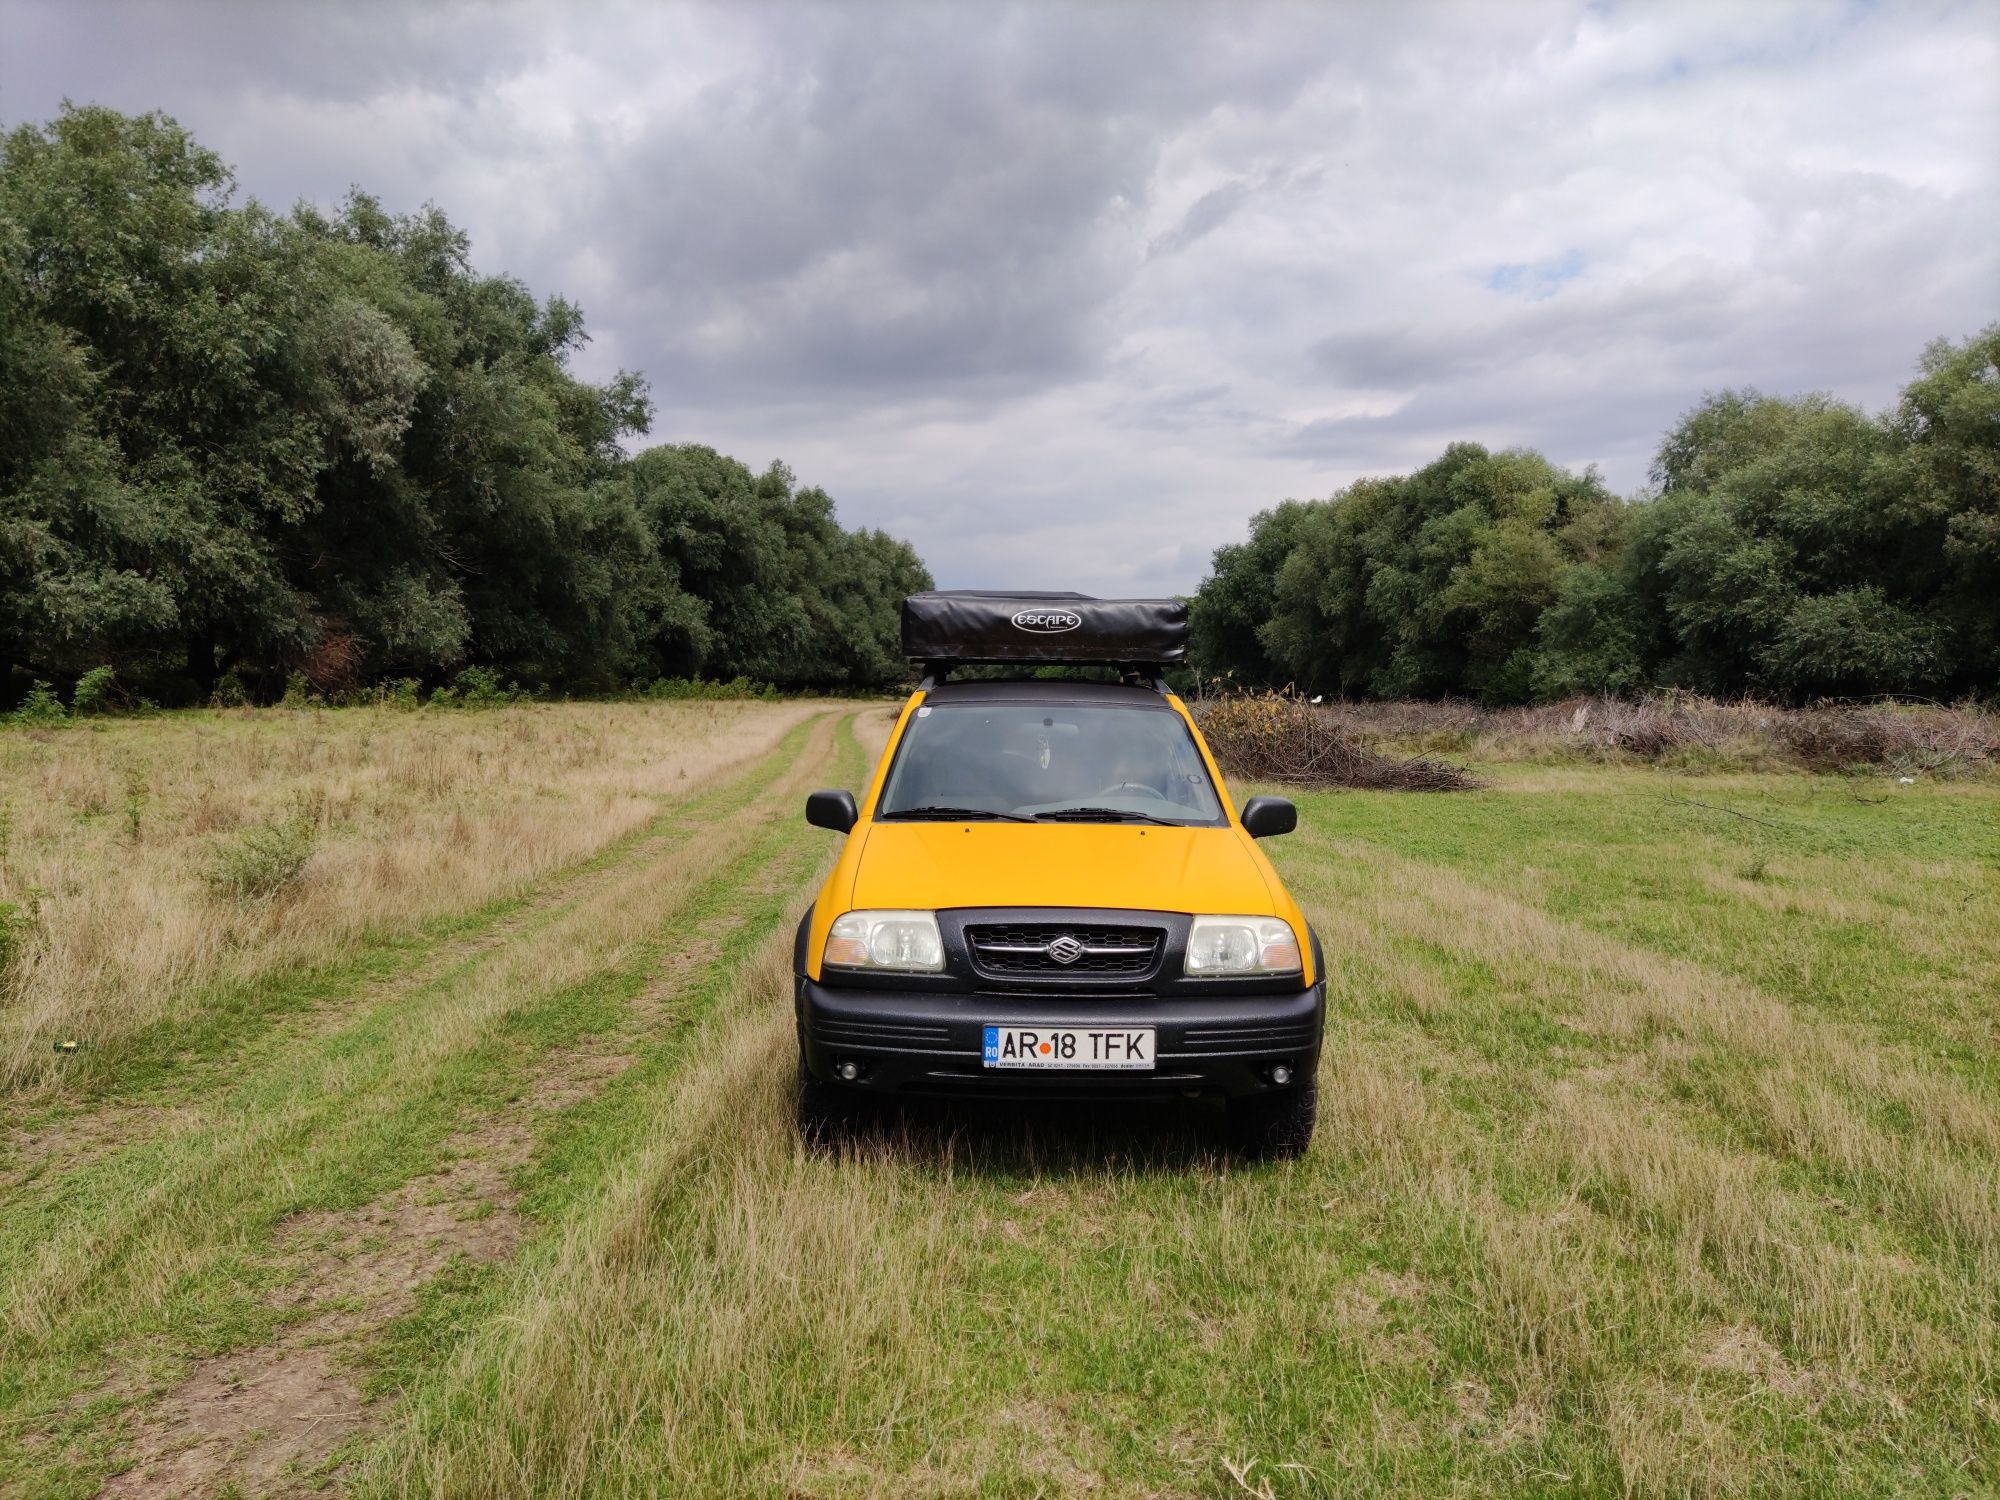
column 1535, row 280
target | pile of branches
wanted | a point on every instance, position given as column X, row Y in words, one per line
column 1679, row 727
column 1281, row 737
column 1902, row 739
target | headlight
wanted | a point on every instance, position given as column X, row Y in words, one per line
column 1242, row 945
column 907, row 941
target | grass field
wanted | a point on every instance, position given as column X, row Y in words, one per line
column 451, row 1154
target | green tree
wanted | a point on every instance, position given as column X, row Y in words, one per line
column 1227, row 615
column 1793, row 548
column 764, row 581
column 1806, row 548
column 1433, row 583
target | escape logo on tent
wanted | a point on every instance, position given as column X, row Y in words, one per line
column 1047, row 621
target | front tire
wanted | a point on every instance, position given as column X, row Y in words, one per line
column 828, row 1113
column 1274, row 1127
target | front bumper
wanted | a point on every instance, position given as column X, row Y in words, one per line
column 911, row 1042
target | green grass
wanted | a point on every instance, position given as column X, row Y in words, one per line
column 1659, row 1121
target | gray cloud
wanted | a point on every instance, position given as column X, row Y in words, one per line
column 1210, row 212
column 1066, row 294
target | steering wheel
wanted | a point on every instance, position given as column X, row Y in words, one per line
column 1132, row 786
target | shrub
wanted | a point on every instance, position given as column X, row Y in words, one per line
column 260, row 862
column 96, row 692
column 40, row 708
column 479, row 687
column 298, row 691
column 697, row 688
column 230, row 690
column 1281, row 737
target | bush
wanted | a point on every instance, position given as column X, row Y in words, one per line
column 697, row 688
column 479, row 687
column 260, row 862
column 230, row 690
column 1281, row 737
column 298, row 691
column 96, row 692
column 40, row 708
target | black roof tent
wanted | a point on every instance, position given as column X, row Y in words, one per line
column 956, row 627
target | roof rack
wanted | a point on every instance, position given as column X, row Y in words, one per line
column 1137, row 674
column 946, row 628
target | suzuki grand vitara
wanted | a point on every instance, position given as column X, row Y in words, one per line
column 1046, row 894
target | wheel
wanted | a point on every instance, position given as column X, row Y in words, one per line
column 1274, row 1127
column 828, row 1113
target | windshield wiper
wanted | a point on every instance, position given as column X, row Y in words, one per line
column 1103, row 814
column 953, row 813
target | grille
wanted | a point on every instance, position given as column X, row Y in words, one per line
column 1018, row 950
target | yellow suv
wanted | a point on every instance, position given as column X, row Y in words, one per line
column 1045, row 893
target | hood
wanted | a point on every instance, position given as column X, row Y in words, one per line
column 1138, row 866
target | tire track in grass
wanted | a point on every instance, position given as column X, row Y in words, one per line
column 731, row 1314
column 261, row 1094
column 256, row 1416
column 361, row 1110
column 157, row 1072
column 587, row 1160
column 654, row 1319
column 296, row 1368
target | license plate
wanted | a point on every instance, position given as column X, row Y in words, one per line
column 1069, row 1046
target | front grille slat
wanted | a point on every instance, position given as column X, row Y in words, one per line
column 1019, row 950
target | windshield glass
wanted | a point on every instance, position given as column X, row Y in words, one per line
column 1043, row 760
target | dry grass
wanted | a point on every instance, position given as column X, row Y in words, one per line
column 1688, row 731
column 166, row 1234
column 768, row 1267
column 121, row 839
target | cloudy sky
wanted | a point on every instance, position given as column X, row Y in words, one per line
column 1065, row 294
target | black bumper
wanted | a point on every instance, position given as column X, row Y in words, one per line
column 910, row 1042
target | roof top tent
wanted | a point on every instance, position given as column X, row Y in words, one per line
column 960, row 627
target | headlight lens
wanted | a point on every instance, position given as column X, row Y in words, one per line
column 1242, row 945
column 905, row 941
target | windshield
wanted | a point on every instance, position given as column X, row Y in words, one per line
column 1049, row 761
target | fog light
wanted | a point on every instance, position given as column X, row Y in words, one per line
column 1281, row 1074
column 848, row 1070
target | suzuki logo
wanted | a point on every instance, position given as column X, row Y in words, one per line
column 1047, row 621
column 1064, row 950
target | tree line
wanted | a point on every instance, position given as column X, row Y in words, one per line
column 238, row 445
column 1786, row 548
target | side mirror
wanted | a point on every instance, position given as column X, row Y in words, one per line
column 836, row 810
column 1265, row 816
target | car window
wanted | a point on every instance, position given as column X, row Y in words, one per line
column 1037, row 759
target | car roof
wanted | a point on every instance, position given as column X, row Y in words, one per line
column 1046, row 690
